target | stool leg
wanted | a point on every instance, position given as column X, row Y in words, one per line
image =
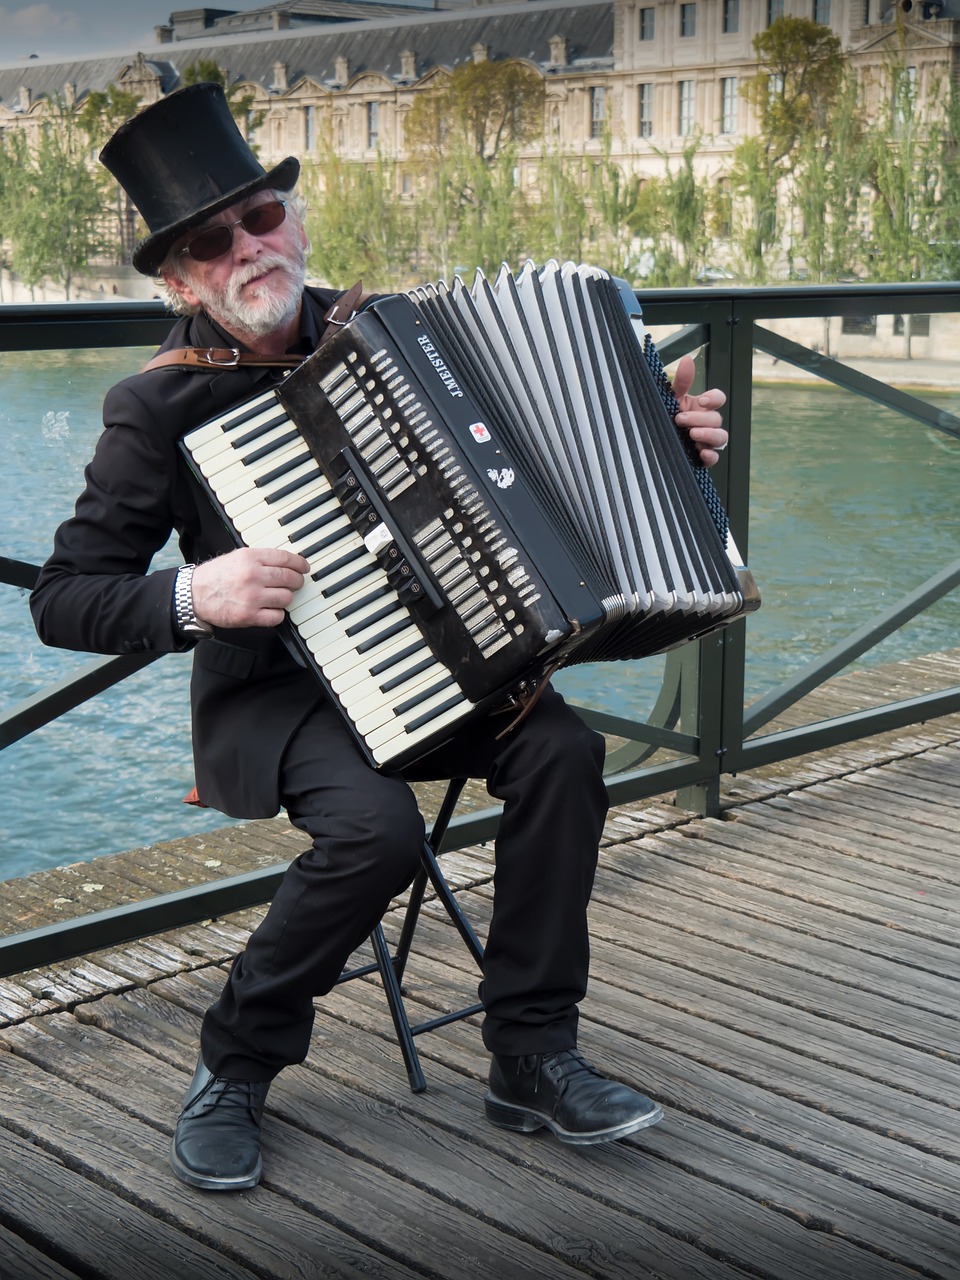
column 401, row 1022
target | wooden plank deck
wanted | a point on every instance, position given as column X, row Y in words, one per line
column 784, row 980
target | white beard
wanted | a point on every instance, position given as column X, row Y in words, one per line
column 263, row 309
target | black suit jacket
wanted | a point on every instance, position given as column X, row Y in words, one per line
column 96, row 592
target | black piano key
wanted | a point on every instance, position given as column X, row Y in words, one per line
column 423, row 695
column 384, row 611
column 379, row 668
column 424, row 665
column 361, row 602
column 284, row 469
column 385, row 634
column 257, row 455
column 411, row 726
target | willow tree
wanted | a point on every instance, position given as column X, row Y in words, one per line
column 463, row 135
column 358, row 229
column 800, row 75
column 52, row 202
column 102, row 113
column 905, row 177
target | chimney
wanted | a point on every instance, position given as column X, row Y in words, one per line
column 558, row 51
column 341, row 69
column 280, row 77
column 480, row 52
column 408, row 65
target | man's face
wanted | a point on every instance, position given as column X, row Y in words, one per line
column 255, row 287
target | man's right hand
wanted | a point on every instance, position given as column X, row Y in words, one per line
column 250, row 587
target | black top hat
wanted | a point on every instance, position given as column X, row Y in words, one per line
column 182, row 160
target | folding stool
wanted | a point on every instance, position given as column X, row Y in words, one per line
column 391, row 968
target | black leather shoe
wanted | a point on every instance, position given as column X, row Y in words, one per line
column 216, row 1145
column 565, row 1093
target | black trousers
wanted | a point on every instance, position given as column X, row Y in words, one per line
column 367, row 832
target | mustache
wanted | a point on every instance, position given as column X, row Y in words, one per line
column 253, row 271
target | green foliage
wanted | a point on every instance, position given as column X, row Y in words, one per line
column 754, row 178
column 556, row 223
column 357, row 227
column 480, row 109
column 99, row 118
column 801, row 71
column 464, row 135
column 905, row 170
column 829, row 173
column 207, row 71
column 51, row 202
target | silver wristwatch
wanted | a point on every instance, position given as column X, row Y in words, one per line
column 183, row 612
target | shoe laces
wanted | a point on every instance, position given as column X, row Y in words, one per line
column 569, row 1063
column 231, row 1095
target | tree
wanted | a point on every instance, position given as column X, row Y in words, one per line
column 357, row 227
column 829, row 174
column 481, row 107
column 683, row 202
column 556, row 224
column 463, row 136
column 99, row 118
column 207, row 71
column 801, row 72
column 52, row 203
column 755, row 178
column 905, row 176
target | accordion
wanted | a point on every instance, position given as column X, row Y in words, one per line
column 488, row 485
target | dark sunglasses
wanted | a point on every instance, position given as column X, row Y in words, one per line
column 216, row 241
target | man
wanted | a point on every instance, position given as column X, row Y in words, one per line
column 231, row 249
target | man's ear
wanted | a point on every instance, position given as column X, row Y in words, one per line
column 178, row 286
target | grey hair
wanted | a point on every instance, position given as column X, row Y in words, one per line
column 173, row 263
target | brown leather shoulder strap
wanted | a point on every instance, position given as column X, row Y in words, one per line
column 216, row 359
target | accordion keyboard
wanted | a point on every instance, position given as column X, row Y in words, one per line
column 348, row 616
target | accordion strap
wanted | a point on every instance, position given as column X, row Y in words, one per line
column 214, row 359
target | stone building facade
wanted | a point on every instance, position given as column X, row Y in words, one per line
column 653, row 72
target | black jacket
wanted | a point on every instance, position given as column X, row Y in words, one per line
column 96, row 592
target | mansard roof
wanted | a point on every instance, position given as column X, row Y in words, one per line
column 519, row 30
column 293, row 13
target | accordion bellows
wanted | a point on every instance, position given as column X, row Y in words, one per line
column 490, row 485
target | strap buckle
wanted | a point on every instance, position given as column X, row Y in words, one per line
column 222, row 358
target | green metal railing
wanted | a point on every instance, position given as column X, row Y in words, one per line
column 699, row 718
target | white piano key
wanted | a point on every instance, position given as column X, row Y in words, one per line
column 385, row 746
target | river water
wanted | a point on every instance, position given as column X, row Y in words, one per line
column 852, row 507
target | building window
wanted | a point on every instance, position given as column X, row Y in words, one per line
column 646, row 23
column 904, row 96
column 774, row 11
column 821, row 12
column 310, row 128
column 724, row 208
column 686, row 108
column 862, row 326
column 731, row 17
column 919, row 326
column 645, row 114
column 598, row 111
column 729, row 97
column 373, row 125
column 688, row 19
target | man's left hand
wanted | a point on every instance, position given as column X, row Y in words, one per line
column 700, row 415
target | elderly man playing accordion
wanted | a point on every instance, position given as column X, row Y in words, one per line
column 228, row 240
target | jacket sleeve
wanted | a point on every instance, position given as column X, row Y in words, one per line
column 95, row 593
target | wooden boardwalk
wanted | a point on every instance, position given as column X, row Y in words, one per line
column 784, row 981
